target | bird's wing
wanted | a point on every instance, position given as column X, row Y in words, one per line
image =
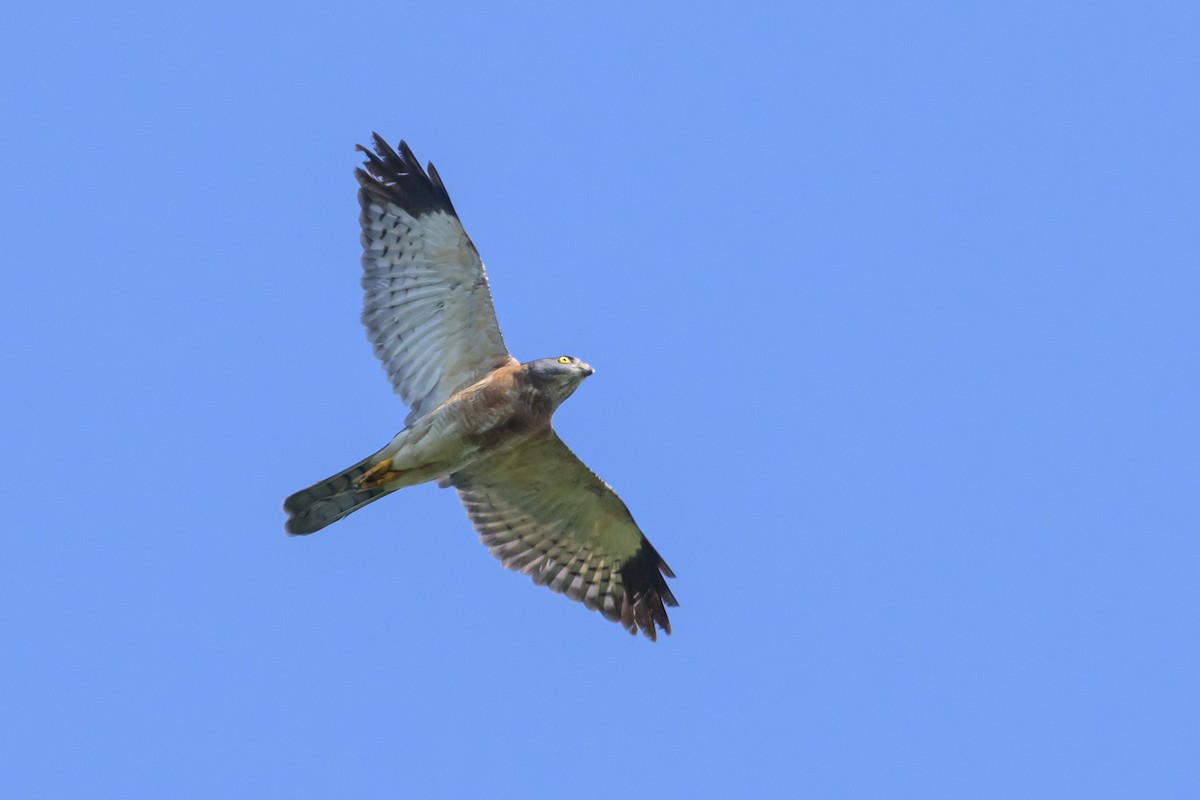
column 427, row 307
column 542, row 512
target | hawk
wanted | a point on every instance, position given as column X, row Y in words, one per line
column 480, row 420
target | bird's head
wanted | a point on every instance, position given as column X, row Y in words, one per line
column 558, row 377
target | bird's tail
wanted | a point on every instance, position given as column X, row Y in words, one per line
column 326, row 502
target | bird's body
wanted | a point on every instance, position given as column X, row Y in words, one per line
column 499, row 412
column 480, row 420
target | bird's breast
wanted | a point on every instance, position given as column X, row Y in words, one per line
column 500, row 414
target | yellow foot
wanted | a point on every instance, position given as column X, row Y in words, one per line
column 378, row 475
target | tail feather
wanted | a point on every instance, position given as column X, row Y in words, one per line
column 326, row 502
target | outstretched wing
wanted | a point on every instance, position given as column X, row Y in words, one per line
column 541, row 511
column 427, row 307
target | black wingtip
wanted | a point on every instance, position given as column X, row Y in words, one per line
column 646, row 593
column 396, row 177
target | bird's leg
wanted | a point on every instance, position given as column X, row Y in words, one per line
column 378, row 475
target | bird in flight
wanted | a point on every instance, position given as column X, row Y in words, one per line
column 480, row 420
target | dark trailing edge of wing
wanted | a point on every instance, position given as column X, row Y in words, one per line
column 646, row 592
column 397, row 178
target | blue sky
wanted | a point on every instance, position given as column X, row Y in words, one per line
column 893, row 311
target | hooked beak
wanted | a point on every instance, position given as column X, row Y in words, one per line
column 587, row 369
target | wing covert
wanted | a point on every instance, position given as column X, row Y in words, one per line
column 541, row 511
column 427, row 307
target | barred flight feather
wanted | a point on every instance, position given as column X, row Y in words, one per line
column 443, row 337
column 541, row 512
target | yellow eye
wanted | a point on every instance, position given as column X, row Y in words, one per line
column 564, row 359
